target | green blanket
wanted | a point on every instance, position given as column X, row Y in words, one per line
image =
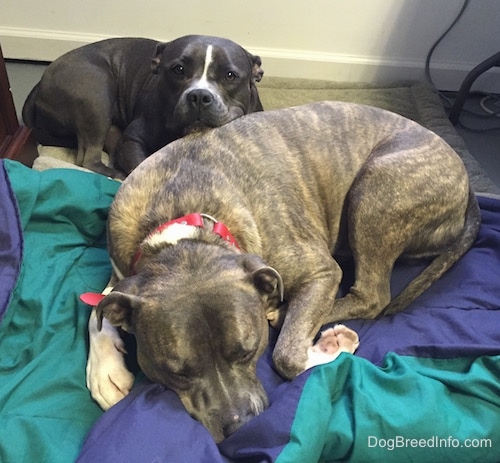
column 424, row 384
column 46, row 410
column 355, row 410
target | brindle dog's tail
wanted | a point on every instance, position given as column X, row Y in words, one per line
column 442, row 262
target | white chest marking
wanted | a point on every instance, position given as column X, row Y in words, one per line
column 171, row 235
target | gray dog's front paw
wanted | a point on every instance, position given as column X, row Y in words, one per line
column 332, row 342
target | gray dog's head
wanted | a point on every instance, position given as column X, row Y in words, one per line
column 200, row 323
column 209, row 80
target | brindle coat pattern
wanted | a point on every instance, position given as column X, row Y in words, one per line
column 292, row 186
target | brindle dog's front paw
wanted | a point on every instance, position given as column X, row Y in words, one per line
column 108, row 379
column 289, row 361
column 332, row 342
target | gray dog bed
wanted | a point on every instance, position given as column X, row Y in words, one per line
column 415, row 100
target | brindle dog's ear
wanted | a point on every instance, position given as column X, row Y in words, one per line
column 155, row 63
column 117, row 306
column 266, row 279
column 269, row 281
column 257, row 71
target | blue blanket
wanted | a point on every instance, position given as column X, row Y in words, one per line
column 424, row 384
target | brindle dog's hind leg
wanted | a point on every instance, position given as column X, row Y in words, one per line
column 395, row 208
column 376, row 239
column 370, row 292
column 383, row 217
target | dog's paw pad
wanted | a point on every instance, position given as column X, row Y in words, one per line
column 347, row 339
column 331, row 343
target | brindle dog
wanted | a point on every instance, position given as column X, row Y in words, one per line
column 279, row 193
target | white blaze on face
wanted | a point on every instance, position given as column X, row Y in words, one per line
column 203, row 82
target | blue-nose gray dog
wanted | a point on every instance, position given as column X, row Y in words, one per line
column 131, row 96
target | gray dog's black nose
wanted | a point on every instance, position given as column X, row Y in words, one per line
column 200, row 97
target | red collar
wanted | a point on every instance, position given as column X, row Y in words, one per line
column 195, row 220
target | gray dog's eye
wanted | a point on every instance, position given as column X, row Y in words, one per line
column 231, row 75
column 178, row 69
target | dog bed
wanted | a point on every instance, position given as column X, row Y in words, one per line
column 424, row 384
column 416, row 100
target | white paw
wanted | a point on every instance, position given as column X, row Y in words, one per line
column 108, row 379
column 331, row 343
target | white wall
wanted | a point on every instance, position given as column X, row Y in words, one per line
column 343, row 40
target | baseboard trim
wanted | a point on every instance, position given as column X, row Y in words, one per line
column 43, row 45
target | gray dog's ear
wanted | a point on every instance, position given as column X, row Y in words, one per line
column 118, row 305
column 266, row 279
column 257, row 71
column 155, row 63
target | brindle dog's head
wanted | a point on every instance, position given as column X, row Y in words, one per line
column 198, row 312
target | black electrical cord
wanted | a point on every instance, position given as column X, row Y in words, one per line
column 438, row 41
column 488, row 112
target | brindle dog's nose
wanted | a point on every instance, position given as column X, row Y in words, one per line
column 200, row 97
